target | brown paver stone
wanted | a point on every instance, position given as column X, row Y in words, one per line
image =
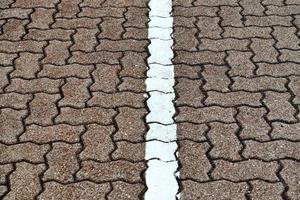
column 98, row 144
column 62, row 162
column 24, row 181
column 28, row 151
column 60, row 132
column 14, row 100
column 111, row 171
column 75, row 116
column 123, row 191
column 84, row 190
column 265, row 190
column 76, row 92
column 245, row 170
column 272, row 150
column 291, row 176
column 43, row 109
column 195, row 164
column 11, row 124
column 225, row 143
column 129, row 151
column 215, row 190
column 41, row 18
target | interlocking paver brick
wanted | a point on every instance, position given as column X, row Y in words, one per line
column 41, row 18
column 196, row 164
column 43, row 109
column 245, row 170
column 265, row 190
column 295, row 88
column 201, row 57
column 264, row 50
column 188, row 22
column 18, row 13
column 215, row 190
column 60, row 132
column 214, row 3
column 101, row 12
column 283, row 10
column 122, row 45
column 272, row 20
column 189, row 92
column 279, row 106
column 133, row 64
column 135, row 33
column 51, row 34
column 259, row 84
column 185, row 39
column 273, row 2
column 209, row 27
column 11, row 124
column 291, row 176
column 7, row 59
column 6, row 3
column 136, row 129
column 28, row 151
column 4, row 72
column 57, row 52
column 206, row 114
column 190, row 131
column 232, row 99
column 253, row 7
column 13, row 29
column 278, row 69
column 240, row 63
column 75, row 92
column 97, row 143
column 121, row 3
column 285, row 131
column 27, row 65
column 22, row 46
column 95, row 57
column 106, row 78
column 247, row 32
column 75, row 116
column 111, row 25
column 36, row 3
column 111, row 171
column 64, row 71
column 132, row 84
column 73, row 23
column 133, row 152
column 216, row 78
column 289, row 55
column 14, row 100
column 225, row 142
column 196, row 11
column 62, row 162
column 186, row 71
column 224, row 44
column 5, row 170
column 272, row 150
column 231, row 16
column 132, row 20
column 123, row 191
column 113, row 100
column 286, row 37
column 68, row 9
column 253, row 123
column 24, row 181
column 85, row 40
column 84, row 190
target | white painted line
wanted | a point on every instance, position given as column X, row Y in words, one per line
column 161, row 147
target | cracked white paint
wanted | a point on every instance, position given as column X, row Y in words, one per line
column 161, row 146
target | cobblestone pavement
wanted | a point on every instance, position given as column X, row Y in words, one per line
column 73, row 99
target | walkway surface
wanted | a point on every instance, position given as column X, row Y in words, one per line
column 74, row 101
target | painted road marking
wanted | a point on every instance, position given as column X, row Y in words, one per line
column 161, row 146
